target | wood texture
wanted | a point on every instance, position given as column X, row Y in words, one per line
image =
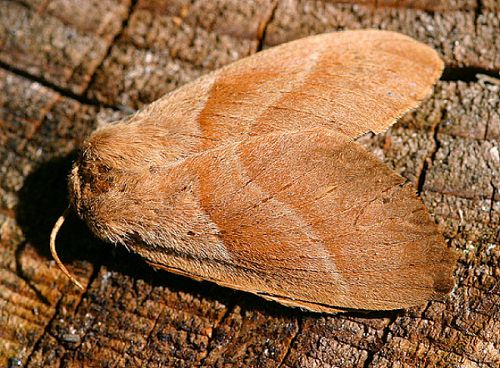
column 131, row 316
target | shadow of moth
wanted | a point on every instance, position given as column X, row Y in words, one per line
column 250, row 177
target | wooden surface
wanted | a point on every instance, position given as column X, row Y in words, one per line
column 68, row 66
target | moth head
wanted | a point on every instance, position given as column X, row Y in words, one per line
column 89, row 178
column 108, row 179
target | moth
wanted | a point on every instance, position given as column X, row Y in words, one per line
column 250, row 177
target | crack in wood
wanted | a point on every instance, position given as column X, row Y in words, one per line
column 267, row 21
column 212, row 337
column 93, row 276
column 429, row 160
column 22, row 275
column 55, row 88
column 465, row 73
column 107, row 54
column 477, row 13
column 46, row 331
column 298, row 332
column 48, row 326
column 383, row 341
column 493, row 195
column 148, row 337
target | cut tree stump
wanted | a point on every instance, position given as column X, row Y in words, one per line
column 68, row 66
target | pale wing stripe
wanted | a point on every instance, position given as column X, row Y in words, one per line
column 294, row 84
column 323, row 254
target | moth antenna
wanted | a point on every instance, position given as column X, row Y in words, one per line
column 53, row 251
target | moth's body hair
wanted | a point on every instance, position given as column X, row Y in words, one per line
column 250, row 177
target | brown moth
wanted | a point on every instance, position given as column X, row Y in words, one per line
column 250, row 177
